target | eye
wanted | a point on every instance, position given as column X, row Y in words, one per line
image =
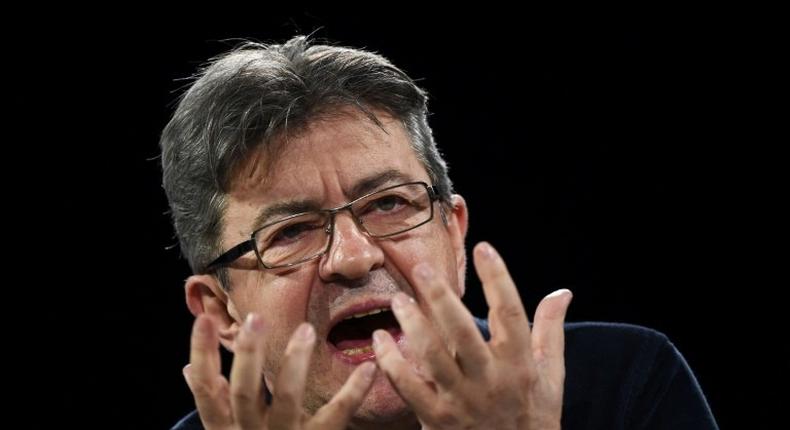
column 294, row 232
column 387, row 203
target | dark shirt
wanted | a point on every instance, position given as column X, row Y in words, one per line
column 617, row 376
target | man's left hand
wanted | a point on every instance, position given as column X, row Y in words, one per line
column 513, row 381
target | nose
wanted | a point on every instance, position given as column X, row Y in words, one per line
column 352, row 254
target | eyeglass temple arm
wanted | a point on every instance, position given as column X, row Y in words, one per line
column 232, row 254
column 433, row 193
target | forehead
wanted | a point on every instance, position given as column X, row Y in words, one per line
column 329, row 155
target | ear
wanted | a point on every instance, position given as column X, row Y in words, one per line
column 457, row 224
column 205, row 295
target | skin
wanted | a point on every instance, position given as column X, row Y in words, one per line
column 276, row 321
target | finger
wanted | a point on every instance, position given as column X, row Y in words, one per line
column 454, row 320
column 426, row 344
column 204, row 377
column 510, row 331
column 548, row 333
column 248, row 405
column 337, row 413
column 413, row 389
column 286, row 410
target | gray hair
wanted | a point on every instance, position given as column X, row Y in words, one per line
column 251, row 95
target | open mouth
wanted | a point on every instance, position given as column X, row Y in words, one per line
column 352, row 337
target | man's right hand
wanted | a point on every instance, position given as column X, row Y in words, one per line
column 239, row 404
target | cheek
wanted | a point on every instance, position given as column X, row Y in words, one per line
column 433, row 248
column 282, row 303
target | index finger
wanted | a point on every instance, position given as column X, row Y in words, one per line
column 510, row 331
column 247, row 402
column 288, row 391
column 452, row 318
column 205, row 379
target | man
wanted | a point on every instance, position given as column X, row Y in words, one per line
column 328, row 254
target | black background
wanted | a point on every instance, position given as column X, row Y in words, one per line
column 609, row 152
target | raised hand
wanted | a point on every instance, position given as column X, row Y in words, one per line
column 240, row 403
column 513, row 381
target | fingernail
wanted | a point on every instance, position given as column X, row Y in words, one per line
column 305, row 332
column 556, row 293
column 368, row 370
column 423, row 272
column 487, row 250
column 563, row 296
column 186, row 371
column 560, row 292
column 253, row 323
column 400, row 301
column 568, row 297
column 378, row 339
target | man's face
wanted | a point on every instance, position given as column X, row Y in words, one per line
column 327, row 165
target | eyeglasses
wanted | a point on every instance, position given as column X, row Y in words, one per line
column 305, row 236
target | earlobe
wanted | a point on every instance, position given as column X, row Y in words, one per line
column 204, row 295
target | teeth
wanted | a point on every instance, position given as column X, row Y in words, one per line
column 355, row 351
column 364, row 314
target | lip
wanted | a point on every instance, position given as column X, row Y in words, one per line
column 364, row 306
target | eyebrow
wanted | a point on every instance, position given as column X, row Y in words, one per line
column 363, row 186
column 378, row 180
column 284, row 209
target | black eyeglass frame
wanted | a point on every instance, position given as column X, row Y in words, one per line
column 245, row 247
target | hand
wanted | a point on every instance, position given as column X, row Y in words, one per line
column 514, row 381
column 240, row 404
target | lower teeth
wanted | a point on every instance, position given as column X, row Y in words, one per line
column 355, row 351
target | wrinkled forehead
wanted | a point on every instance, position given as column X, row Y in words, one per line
column 347, row 146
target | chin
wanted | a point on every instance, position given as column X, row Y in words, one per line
column 382, row 408
column 383, row 404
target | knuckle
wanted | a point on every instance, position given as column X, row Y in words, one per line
column 430, row 350
column 286, row 397
column 445, row 417
column 437, row 293
column 342, row 404
column 465, row 336
column 242, row 395
column 384, row 357
column 507, row 397
column 245, row 346
column 457, row 384
column 502, row 277
column 281, row 419
column 528, row 377
column 246, row 422
column 500, row 390
column 201, row 389
column 399, row 378
column 498, row 342
column 510, row 311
